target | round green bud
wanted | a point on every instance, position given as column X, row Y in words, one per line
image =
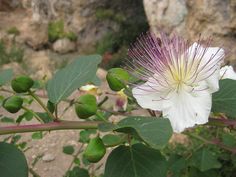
column 117, row 78
column 13, row 104
column 86, row 106
column 22, row 84
column 95, row 150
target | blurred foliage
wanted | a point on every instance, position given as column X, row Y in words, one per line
column 14, row 31
column 13, row 54
column 56, row 31
column 130, row 18
column 71, row 35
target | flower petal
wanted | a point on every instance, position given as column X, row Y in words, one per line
column 227, row 72
column 147, row 96
column 186, row 109
column 210, row 59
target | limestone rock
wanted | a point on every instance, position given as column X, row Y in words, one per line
column 33, row 34
column 17, row 69
column 40, row 64
column 48, row 157
column 190, row 18
column 63, row 46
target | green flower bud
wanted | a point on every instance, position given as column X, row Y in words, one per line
column 22, row 84
column 86, row 106
column 95, row 150
column 117, row 78
column 13, row 104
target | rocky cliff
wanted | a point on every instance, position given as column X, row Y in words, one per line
column 190, row 18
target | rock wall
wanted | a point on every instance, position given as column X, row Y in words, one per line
column 190, row 18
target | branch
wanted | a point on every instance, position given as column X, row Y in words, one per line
column 59, row 125
column 213, row 142
column 222, row 122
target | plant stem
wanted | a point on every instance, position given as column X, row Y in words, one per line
column 59, row 125
column 75, row 156
column 213, row 142
column 103, row 101
column 222, row 122
column 35, row 115
column 42, row 105
column 5, row 90
column 33, row 172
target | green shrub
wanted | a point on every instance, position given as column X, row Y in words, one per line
column 107, row 44
column 14, row 31
column 103, row 14
column 71, row 35
column 14, row 54
column 55, row 30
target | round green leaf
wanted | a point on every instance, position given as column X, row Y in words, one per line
column 77, row 172
column 12, row 161
column 112, row 140
column 135, row 161
column 68, row 150
column 5, row 76
column 73, row 76
column 204, row 160
column 224, row 100
column 154, row 131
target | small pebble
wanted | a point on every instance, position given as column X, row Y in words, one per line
column 48, row 157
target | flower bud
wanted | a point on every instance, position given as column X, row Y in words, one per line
column 117, row 78
column 95, row 150
column 22, row 84
column 86, row 106
column 13, row 104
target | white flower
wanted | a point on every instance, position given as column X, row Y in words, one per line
column 178, row 79
column 227, row 72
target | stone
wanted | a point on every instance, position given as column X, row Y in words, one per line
column 41, row 65
column 63, row 46
column 17, row 69
column 9, row 5
column 48, row 157
column 190, row 18
column 34, row 35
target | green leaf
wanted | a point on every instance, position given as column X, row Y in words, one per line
column 5, row 76
column 7, row 119
column 77, row 161
column 194, row 172
column 135, row 161
column 106, row 127
column 204, row 160
column 73, row 76
column 26, row 115
column 37, row 135
column 68, row 150
column 176, row 164
column 229, row 139
column 15, row 139
column 44, row 117
column 225, row 99
column 112, row 140
column 154, row 131
column 77, row 172
column 96, row 80
column 84, row 135
column 12, row 161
